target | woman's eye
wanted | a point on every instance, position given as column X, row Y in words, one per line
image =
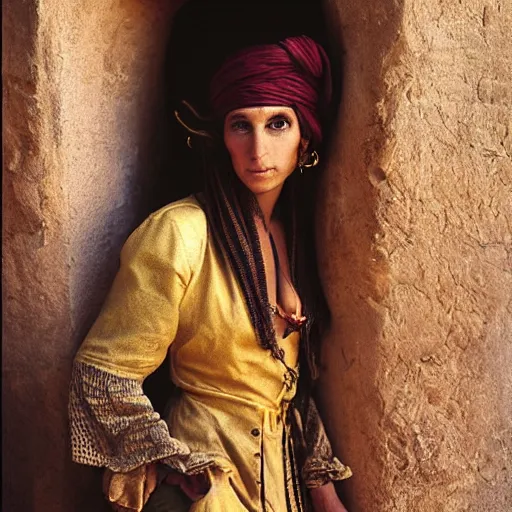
column 240, row 126
column 279, row 124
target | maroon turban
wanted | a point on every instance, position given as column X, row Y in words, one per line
column 292, row 73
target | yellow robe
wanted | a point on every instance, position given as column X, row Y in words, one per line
column 175, row 293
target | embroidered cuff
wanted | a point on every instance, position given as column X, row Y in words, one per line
column 113, row 424
column 320, row 466
column 318, row 472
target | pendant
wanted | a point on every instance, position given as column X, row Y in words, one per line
column 293, row 322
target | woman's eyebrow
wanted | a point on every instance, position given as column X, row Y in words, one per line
column 280, row 114
column 237, row 117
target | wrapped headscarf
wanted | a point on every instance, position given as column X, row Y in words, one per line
column 293, row 73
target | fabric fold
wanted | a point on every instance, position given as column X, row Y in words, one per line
column 129, row 490
column 318, row 472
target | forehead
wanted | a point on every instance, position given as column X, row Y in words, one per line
column 260, row 113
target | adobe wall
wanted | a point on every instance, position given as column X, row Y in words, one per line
column 416, row 248
column 415, row 238
column 82, row 86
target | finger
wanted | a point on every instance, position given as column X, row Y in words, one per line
column 200, row 483
column 174, row 478
column 181, row 480
column 190, row 492
column 194, row 487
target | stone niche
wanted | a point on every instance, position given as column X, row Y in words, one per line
column 414, row 226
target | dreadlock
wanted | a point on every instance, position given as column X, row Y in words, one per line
column 235, row 235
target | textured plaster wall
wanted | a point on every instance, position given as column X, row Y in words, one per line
column 82, row 94
column 415, row 238
column 417, row 255
column 35, row 346
column 111, row 100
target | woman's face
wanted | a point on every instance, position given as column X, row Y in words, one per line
column 264, row 145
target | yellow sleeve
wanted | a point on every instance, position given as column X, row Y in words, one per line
column 140, row 317
column 112, row 422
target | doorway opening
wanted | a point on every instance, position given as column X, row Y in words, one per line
column 203, row 34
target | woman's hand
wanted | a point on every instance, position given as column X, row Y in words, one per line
column 325, row 499
column 194, row 486
column 125, row 491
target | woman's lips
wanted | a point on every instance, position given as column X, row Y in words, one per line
column 261, row 171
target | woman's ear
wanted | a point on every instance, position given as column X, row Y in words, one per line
column 303, row 148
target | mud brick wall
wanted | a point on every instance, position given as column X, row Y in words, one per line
column 416, row 249
column 414, row 238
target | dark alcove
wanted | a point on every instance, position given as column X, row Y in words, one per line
column 202, row 35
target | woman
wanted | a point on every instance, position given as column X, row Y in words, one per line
column 224, row 282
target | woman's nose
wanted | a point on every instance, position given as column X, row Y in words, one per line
column 258, row 146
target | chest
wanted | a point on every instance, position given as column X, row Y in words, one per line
column 280, row 288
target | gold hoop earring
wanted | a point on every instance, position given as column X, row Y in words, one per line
column 189, row 142
column 314, row 160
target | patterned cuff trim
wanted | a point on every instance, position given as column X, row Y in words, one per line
column 317, row 472
column 113, row 424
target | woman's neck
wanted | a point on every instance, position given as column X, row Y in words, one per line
column 267, row 203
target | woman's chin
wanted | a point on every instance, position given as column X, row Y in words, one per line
column 262, row 183
column 261, row 190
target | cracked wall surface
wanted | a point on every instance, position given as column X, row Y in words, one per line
column 415, row 238
column 423, row 329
